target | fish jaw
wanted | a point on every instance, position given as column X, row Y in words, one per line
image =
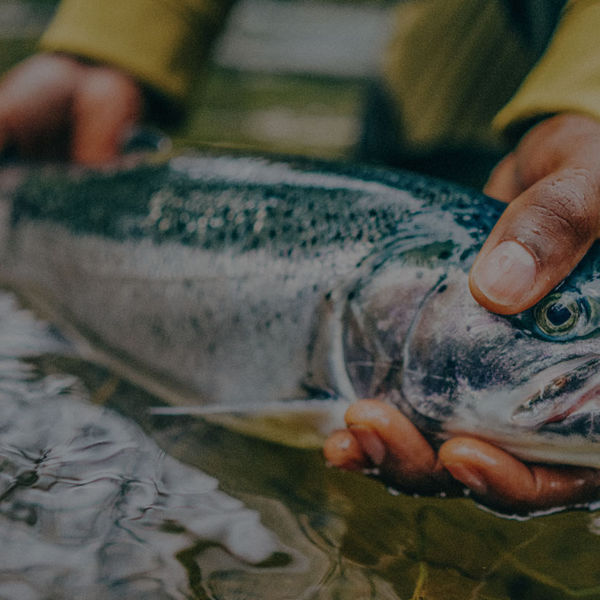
column 554, row 417
column 567, row 388
column 472, row 373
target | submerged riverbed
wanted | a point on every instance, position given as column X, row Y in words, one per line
column 101, row 498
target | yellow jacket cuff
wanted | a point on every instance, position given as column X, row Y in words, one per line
column 566, row 78
column 162, row 43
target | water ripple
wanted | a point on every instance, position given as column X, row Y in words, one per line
column 90, row 506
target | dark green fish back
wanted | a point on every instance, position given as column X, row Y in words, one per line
column 340, row 204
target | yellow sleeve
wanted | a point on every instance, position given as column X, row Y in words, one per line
column 566, row 78
column 163, row 43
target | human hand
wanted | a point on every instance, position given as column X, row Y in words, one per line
column 552, row 182
column 380, row 436
column 55, row 106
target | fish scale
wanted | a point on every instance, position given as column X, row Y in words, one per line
column 242, row 281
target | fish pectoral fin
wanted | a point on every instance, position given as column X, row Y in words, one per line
column 296, row 423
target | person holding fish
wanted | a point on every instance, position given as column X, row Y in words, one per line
column 519, row 78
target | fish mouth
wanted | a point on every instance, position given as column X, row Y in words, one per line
column 560, row 391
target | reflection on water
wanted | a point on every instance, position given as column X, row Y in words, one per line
column 89, row 503
column 99, row 498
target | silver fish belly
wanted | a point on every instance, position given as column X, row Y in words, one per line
column 246, row 280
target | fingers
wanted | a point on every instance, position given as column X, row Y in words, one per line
column 553, row 184
column 342, row 450
column 34, row 105
column 106, row 105
column 504, row 182
column 379, row 435
column 498, row 478
column 54, row 106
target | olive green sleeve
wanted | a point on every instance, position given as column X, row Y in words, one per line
column 566, row 78
column 163, row 43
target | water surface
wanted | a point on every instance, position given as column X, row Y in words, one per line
column 99, row 498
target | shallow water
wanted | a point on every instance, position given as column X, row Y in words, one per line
column 101, row 499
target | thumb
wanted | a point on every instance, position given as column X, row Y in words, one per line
column 539, row 239
column 107, row 103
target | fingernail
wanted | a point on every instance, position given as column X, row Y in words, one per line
column 370, row 443
column 471, row 478
column 506, row 275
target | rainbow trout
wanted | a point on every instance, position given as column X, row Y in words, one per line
column 245, row 281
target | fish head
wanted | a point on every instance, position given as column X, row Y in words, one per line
column 529, row 382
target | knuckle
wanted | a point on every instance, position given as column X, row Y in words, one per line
column 569, row 207
column 104, row 84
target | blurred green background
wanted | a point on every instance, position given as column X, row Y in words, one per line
column 288, row 76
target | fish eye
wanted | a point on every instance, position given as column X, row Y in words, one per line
column 559, row 315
